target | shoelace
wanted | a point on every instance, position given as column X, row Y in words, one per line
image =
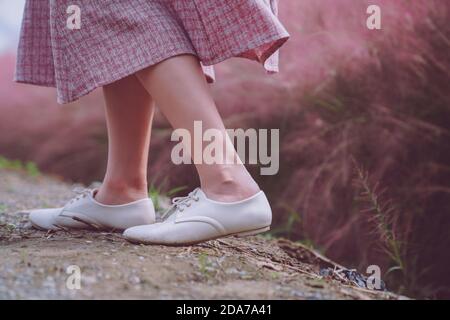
column 180, row 203
column 81, row 193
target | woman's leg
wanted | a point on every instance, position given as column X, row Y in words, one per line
column 182, row 94
column 129, row 115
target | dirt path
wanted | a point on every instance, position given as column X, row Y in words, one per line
column 33, row 264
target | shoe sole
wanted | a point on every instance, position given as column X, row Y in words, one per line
column 90, row 225
column 241, row 234
column 251, row 232
column 38, row 227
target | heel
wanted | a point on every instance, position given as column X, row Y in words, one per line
column 252, row 232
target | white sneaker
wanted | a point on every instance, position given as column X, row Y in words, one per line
column 84, row 212
column 196, row 218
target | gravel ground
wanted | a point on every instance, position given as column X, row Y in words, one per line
column 35, row 264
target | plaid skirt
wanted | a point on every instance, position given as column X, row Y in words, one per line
column 118, row 38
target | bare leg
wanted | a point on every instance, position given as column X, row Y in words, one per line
column 129, row 115
column 181, row 92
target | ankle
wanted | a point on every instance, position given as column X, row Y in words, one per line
column 231, row 190
column 121, row 192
